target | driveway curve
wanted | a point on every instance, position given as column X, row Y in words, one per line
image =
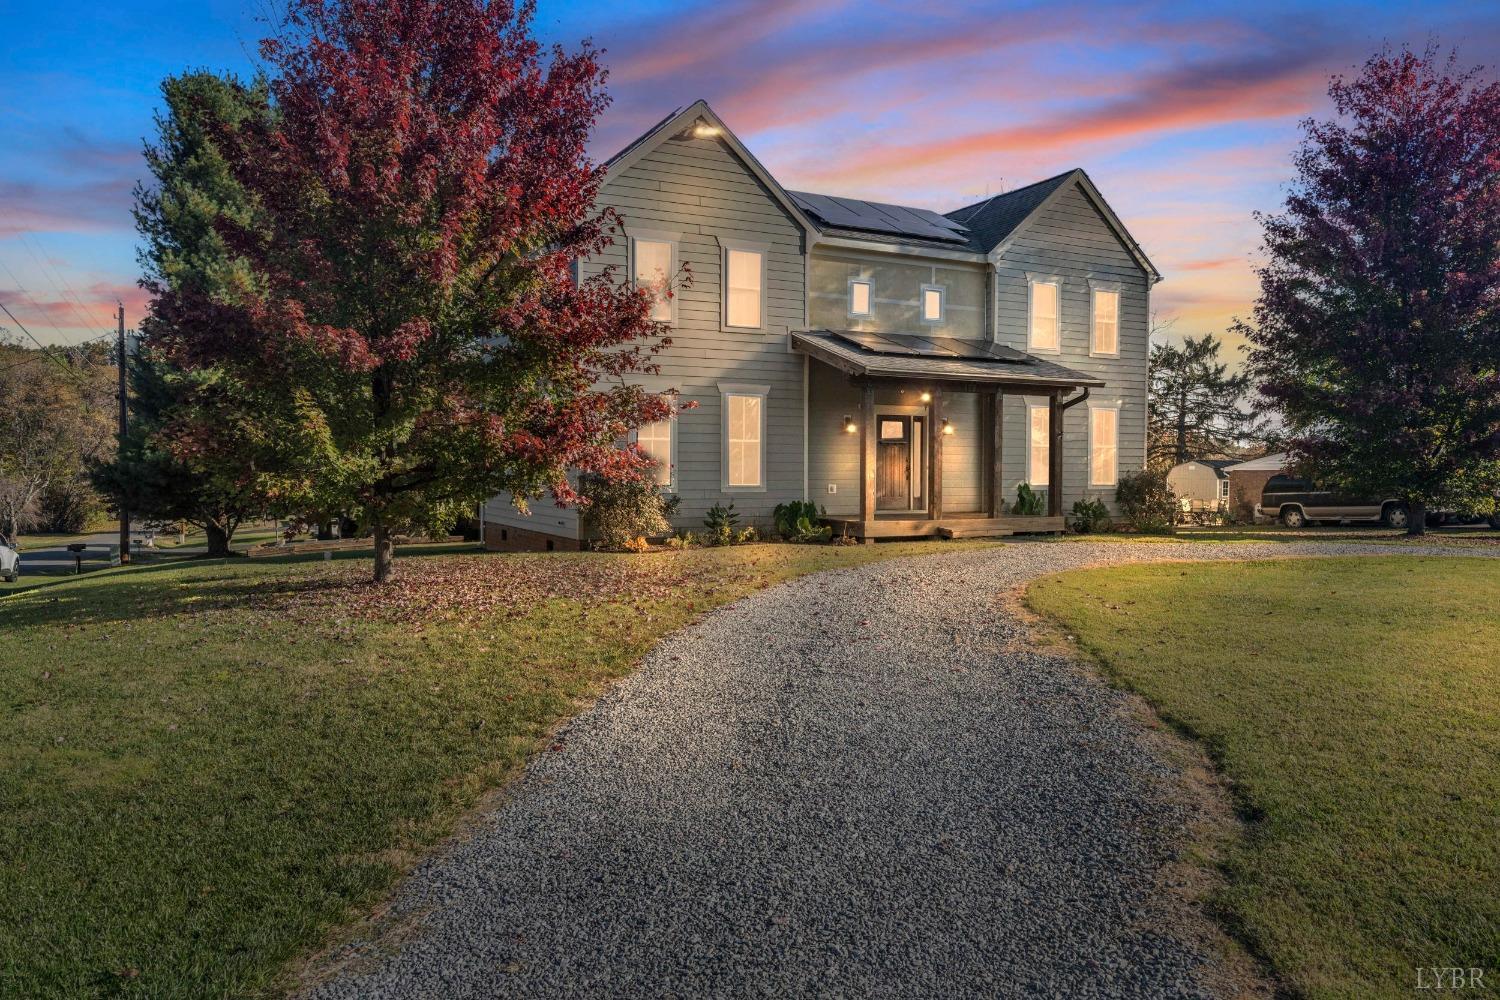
column 860, row 783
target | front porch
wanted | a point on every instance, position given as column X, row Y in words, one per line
column 907, row 421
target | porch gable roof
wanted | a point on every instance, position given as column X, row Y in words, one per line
column 1028, row 370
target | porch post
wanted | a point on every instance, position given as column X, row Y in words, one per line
column 1055, row 455
column 935, row 457
column 867, row 455
column 997, row 452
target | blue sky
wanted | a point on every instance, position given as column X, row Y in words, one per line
column 1184, row 114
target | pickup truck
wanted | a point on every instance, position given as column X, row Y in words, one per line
column 1297, row 502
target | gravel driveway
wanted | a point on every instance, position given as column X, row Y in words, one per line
column 862, row 783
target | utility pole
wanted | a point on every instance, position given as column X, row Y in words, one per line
column 124, row 514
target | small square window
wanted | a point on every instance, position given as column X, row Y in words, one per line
column 893, row 430
column 859, row 298
column 932, row 303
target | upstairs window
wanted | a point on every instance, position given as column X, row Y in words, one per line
column 1104, row 446
column 1043, row 333
column 859, row 297
column 1106, row 327
column 932, row 303
column 653, row 271
column 1039, row 451
column 744, row 287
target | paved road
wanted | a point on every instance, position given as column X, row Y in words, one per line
column 864, row 783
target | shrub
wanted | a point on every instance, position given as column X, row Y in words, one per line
column 637, row 544
column 1090, row 516
column 797, row 521
column 621, row 510
column 1146, row 502
column 722, row 523
column 1029, row 503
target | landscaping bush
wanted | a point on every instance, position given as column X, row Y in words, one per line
column 1029, row 503
column 722, row 523
column 797, row 521
column 1146, row 502
column 619, row 511
column 1090, row 517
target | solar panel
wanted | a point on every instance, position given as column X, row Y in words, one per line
column 879, row 217
column 912, row 345
column 873, row 342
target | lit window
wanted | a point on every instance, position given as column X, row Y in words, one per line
column 1043, row 332
column 932, row 303
column 744, row 431
column 1104, row 446
column 655, row 439
column 1106, row 321
column 653, row 270
column 859, row 298
column 1039, row 424
column 743, row 287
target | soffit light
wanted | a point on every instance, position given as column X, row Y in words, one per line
column 849, row 425
column 703, row 130
column 926, row 396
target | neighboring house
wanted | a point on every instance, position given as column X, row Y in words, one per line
column 904, row 369
column 1202, row 483
column 1247, row 480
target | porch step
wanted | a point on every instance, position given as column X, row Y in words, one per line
column 977, row 530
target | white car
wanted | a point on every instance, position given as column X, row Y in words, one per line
column 10, row 563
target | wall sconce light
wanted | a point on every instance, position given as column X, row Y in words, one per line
column 849, row 426
column 947, row 427
column 926, row 396
column 703, row 130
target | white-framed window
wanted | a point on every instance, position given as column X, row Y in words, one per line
column 744, row 434
column 1223, row 489
column 932, row 303
column 744, row 287
column 653, row 262
column 861, row 297
column 1104, row 336
column 1038, row 444
column 655, row 439
column 1044, row 315
column 1104, row 445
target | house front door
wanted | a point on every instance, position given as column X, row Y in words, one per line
column 893, row 462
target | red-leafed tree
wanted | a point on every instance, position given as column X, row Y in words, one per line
column 1377, row 331
column 421, row 194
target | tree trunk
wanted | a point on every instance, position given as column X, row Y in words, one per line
column 1416, row 518
column 385, row 552
column 218, row 541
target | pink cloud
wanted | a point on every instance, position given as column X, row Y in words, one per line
column 92, row 206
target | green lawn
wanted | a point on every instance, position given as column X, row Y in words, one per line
column 1475, row 536
column 206, row 767
column 1354, row 704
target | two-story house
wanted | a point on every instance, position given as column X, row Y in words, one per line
column 904, row 369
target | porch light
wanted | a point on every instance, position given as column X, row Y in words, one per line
column 926, row 396
column 703, row 130
column 849, row 425
column 947, row 426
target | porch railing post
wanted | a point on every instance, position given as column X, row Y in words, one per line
column 935, row 458
column 867, row 455
column 997, row 452
column 1055, row 455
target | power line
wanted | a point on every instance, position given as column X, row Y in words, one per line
column 66, row 290
column 21, row 289
column 43, row 348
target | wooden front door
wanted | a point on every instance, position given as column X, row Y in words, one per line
column 892, row 462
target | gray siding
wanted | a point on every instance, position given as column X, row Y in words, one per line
column 698, row 190
column 1071, row 240
column 896, row 286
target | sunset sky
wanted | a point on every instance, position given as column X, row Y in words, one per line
column 1184, row 114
